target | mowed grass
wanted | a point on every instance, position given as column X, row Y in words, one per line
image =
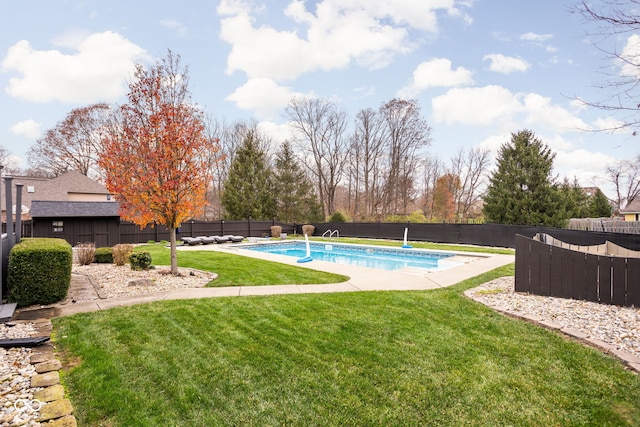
column 236, row 270
column 430, row 358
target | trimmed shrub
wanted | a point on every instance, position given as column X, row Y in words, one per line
column 103, row 256
column 308, row 229
column 140, row 260
column 85, row 252
column 275, row 231
column 338, row 216
column 39, row 271
column 121, row 253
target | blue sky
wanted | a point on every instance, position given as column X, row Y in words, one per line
column 480, row 69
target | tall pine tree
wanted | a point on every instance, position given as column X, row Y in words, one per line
column 249, row 190
column 521, row 190
column 295, row 197
column 599, row 205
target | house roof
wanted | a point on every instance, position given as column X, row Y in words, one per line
column 633, row 207
column 57, row 209
column 58, row 188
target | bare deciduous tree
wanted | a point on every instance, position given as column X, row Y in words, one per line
column 366, row 165
column 432, row 170
column 320, row 126
column 614, row 18
column 470, row 168
column 73, row 144
column 625, row 177
column 407, row 133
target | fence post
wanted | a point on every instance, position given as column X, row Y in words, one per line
column 9, row 210
column 19, row 212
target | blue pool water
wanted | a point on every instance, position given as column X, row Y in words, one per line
column 364, row 256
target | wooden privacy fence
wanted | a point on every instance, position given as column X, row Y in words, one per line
column 131, row 233
column 546, row 266
column 502, row 235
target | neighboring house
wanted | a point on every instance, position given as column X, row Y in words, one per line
column 631, row 212
column 77, row 222
column 69, row 187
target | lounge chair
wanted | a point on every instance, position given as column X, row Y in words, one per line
column 235, row 239
column 221, row 239
column 191, row 241
column 206, row 240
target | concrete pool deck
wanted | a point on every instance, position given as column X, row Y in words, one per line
column 361, row 279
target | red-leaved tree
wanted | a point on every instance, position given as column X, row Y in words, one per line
column 155, row 152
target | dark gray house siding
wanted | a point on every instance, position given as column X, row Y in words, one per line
column 77, row 222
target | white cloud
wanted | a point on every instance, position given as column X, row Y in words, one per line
column 97, row 72
column 176, row 26
column 277, row 132
column 582, row 164
column 541, row 112
column 27, row 128
column 506, row 64
column 71, row 39
column 337, row 33
column 475, row 106
column 611, row 125
column 538, row 38
column 263, row 96
column 495, row 105
column 436, row 73
column 629, row 58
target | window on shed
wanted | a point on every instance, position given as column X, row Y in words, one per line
column 58, row 226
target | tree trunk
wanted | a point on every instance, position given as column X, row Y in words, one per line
column 174, row 256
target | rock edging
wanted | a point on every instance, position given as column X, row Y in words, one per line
column 47, row 405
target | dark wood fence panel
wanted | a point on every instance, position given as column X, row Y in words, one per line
column 604, row 279
column 544, row 269
column 523, row 247
column 499, row 235
column 633, row 281
column 619, row 280
column 591, row 277
column 131, row 233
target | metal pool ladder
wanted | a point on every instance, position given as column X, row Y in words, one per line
column 331, row 234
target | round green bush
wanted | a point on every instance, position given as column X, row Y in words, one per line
column 140, row 260
column 337, row 217
column 103, row 256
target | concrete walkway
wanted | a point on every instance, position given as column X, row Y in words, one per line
column 84, row 298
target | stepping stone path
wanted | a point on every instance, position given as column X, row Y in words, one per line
column 30, row 389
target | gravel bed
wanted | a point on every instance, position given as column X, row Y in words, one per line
column 614, row 325
column 15, row 380
column 114, row 281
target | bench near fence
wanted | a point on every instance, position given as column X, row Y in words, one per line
column 605, row 273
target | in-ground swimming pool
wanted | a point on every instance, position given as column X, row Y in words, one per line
column 383, row 258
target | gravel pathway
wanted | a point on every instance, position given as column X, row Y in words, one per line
column 16, row 370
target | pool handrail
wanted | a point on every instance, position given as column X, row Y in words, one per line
column 331, row 233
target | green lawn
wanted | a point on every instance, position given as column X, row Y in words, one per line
column 353, row 359
column 235, row 270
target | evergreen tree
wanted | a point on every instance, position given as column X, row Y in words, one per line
column 295, row 197
column 599, row 206
column 521, row 190
column 574, row 200
column 248, row 191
